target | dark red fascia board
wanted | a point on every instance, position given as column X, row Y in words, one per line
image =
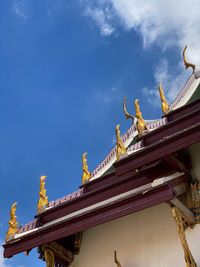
column 184, row 110
column 158, row 150
column 177, row 120
column 126, row 168
column 107, row 187
column 105, row 214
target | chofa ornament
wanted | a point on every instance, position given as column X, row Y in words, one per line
column 43, row 200
column 13, row 225
column 120, row 148
column 86, row 175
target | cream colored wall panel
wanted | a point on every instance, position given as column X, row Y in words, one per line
column 144, row 239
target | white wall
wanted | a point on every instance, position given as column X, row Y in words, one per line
column 144, row 239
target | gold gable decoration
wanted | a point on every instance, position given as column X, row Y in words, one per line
column 86, row 174
column 126, row 113
column 13, row 225
column 164, row 104
column 43, row 200
column 140, row 124
column 189, row 260
column 120, row 148
column 186, row 63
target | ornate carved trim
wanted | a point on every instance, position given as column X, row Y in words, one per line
column 181, row 226
column 59, row 251
column 195, row 197
column 77, row 242
column 49, row 257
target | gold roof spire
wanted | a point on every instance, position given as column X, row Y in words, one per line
column 43, row 200
column 121, row 150
column 164, row 104
column 86, row 174
column 127, row 115
column 186, row 63
column 13, row 225
column 140, row 124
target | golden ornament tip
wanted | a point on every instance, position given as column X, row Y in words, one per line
column 186, row 63
column 86, row 175
column 43, row 199
column 140, row 124
column 13, row 225
column 120, row 148
column 126, row 113
column 164, row 104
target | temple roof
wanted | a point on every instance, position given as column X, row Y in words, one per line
column 189, row 92
column 146, row 174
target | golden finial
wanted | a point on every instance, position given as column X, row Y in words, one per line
column 13, row 225
column 127, row 115
column 116, row 260
column 140, row 124
column 121, row 150
column 86, row 174
column 43, row 200
column 164, row 104
column 186, row 63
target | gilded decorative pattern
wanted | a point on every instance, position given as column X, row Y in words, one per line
column 86, row 174
column 164, row 104
column 189, row 260
column 121, row 150
column 195, row 194
column 49, row 257
column 186, row 63
column 126, row 113
column 55, row 250
column 140, row 124
column 43, row 200
column 13, row 225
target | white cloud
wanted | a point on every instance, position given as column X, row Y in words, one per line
column 166, row 23
column 101, row 17
column 108, row 96
column 163, row 23
column 171, row 79
column 20, row 9
column 2, row 260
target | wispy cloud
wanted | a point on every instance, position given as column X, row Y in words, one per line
column 172, row 80
column 108, row 96
column 101, row 17
column 160, row 23
column 20, row 9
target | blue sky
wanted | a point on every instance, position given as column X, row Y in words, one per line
column 65, row 67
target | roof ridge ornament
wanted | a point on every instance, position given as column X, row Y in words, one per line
column 186, row 63
column 164, row 103
column 13, row 224
column 126, row 113
column 120, row 148
column 116, row 259
column 86, row 174
column 43, row 200
column 140, row 124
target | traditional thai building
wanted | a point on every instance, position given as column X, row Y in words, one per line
column 139, row 207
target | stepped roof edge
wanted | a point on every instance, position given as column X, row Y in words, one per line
column 181, row 99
